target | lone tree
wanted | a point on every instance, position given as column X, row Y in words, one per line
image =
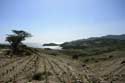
column 16, row 39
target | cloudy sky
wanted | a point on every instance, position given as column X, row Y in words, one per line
column 62, row 20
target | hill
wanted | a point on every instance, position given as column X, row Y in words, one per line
column 94, row 46
column 107, row 41
column 119, row 37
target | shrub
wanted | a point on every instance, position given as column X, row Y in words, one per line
column 38, row 76
column 110, row 56
column 86, row 60
column 123, row 62
column 96, row 61
column 41, row 76
column 75, row 57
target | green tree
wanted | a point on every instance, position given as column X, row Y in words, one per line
column 16, row 39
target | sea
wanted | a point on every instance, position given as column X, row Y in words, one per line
column 41, row 46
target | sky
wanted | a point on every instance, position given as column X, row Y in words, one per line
column 62, row 20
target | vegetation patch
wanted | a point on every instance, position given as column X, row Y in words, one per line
column 41, row 75
column 38, row 76
column 76, row 57
column 123, row 62
column 15, row 43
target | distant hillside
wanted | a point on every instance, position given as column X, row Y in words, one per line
column 105, row 41
column 50, row 44
column 120, row 37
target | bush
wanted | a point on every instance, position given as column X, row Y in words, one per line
column 123, row 62
column 38, row 76
column 41, row 76
column 96, row 61
column 86, row 60
column 110, row 56
column 75, row 57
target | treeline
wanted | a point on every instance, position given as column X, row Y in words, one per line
column 4, row 46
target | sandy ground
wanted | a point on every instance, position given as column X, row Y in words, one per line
column 63, row 69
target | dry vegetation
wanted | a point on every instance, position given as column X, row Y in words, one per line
column 45, row 68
